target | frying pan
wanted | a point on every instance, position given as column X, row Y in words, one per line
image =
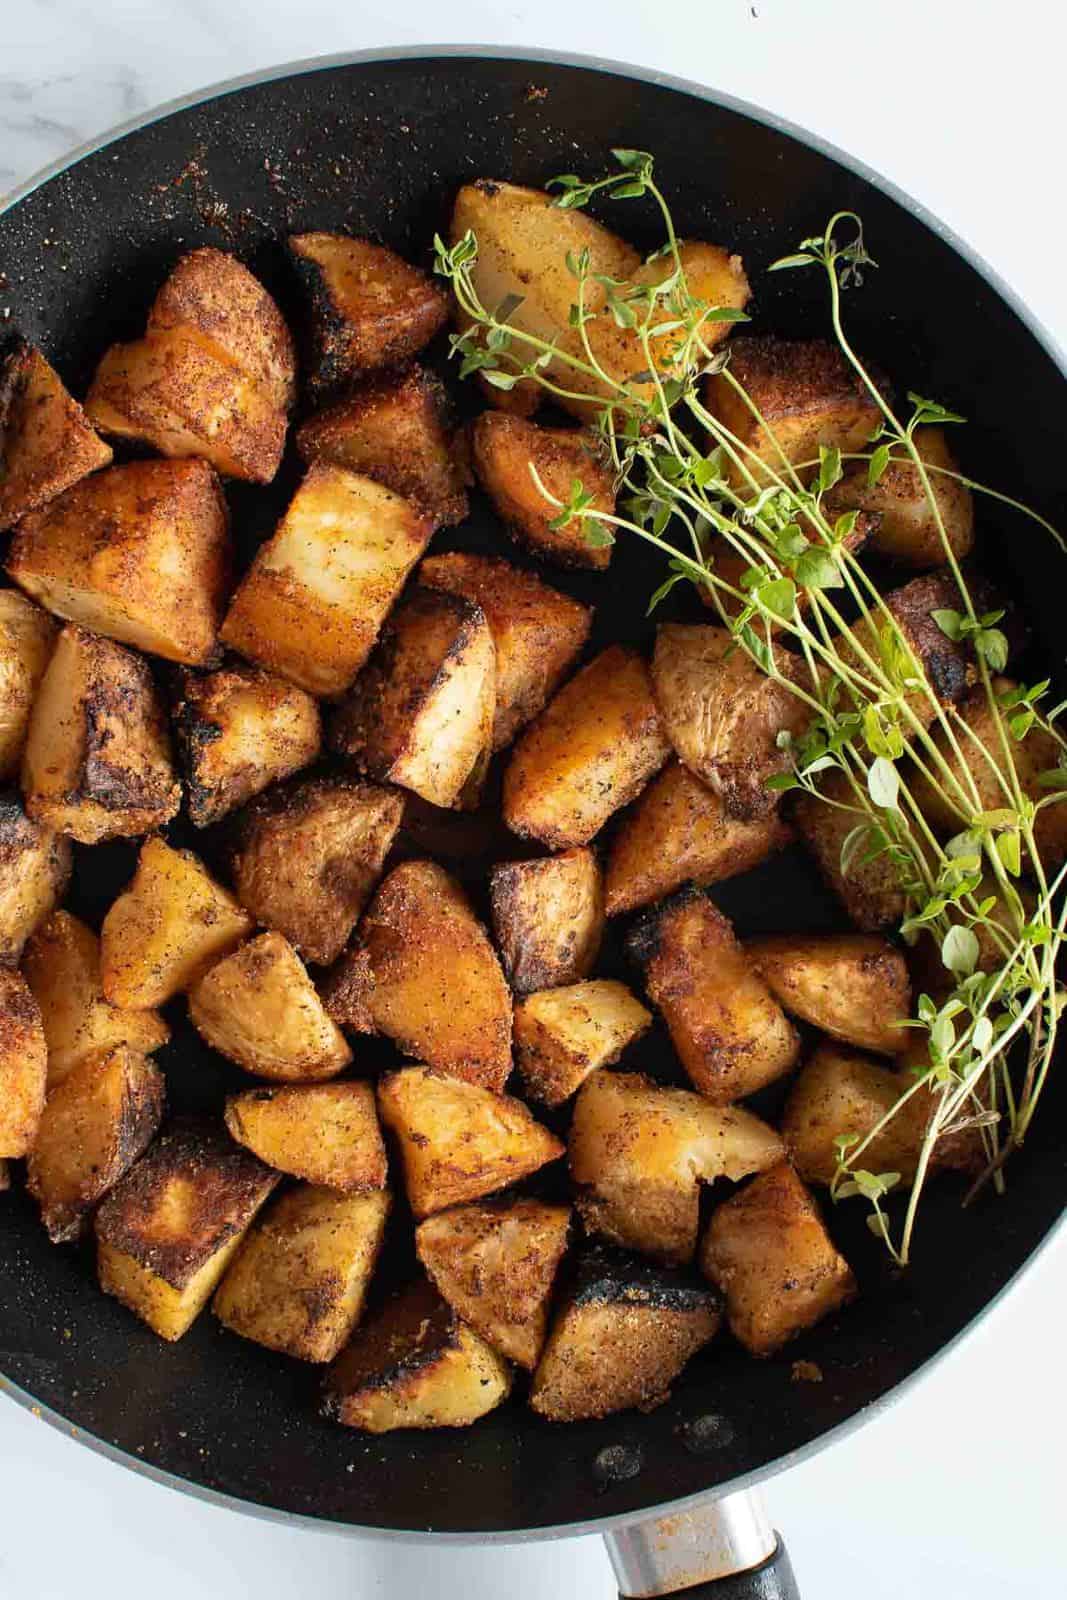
column 376, row 144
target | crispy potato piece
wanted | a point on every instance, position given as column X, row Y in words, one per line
column 169, row 1229
column 731, row 1035
column 562, row 1035
column 623, row 1334
column 458, row 1141
column 325, row 1132
column 768, row 1251
column 313, row 600
column 259, row 1007
column 96, row 1124
column 838, row 1094
column 537, row 631
column 239, row 730
column 23, row 1066
column 548, row 918
column 34, row 873
column 679, row 832
column 309, row 857
column 870, row 890
column 167, row 928
column 392, row 429
column 591, row 750
column 46, row 440
column 414, row 1364
column 854, row 986
column 507, row 450
column 27, row 638
column 639, row 1152
column 421, row 713
column 97, row 763
column 299, row 1281
column 907, row 529
column 495, row 1264
column 139, row 553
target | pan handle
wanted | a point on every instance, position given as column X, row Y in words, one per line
column 724, row 1550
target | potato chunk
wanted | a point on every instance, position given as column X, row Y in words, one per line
column 34, row 873
column 623, row 1334
column 853, row 986
column 458, row 1141
column 729, row 1031
column 840, row 1094
column 238, row 731
column 562, row 1035
column 46, row 440
column 591, row 750
column 309, row 857
column 167, row 928
column 27, row 637
column 139, row 553
column 23, row 1066
column 97, row 763
column 768, row 1251
column 506, row 451
column 423, row 972
column 62, row 967
column 325, row 1132
column 96, row 1124
column 392, row 429
column 414, row 1364
column 260, row 1008
column 870, row 890
column 313, row 600
column 906, row 529
column 548, row 917
column 944, row 668
column 167, row 1232
column 421, row 712
column 537, row 631
column 299, row 1281
column 639, row 1152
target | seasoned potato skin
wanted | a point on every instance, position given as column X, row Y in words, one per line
column 548, row 918
column 326, row 1133
column 23, row 1066
column 854, row 986
column 907, row 529
column 27, row 637
column 34, row 872
column 564, row 1034
column 46, row 440
column 503, row 451
column 870, row 892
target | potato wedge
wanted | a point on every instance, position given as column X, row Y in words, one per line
column 139, row 553
column 259, row 1008
column 46, row 441
column 34, row 873
column 731, row 1035
column 907, row 527
column 854, row 986
column 870, row 890
column 841, row 1094
column 458, row 1141
column 562, row 1035
column 316, row 594
column 299, row 1282
column 326, row 1133
column 548, row 918
column 166, row 929
column 507, row 451
column 96, row 1124
column 23, row 1066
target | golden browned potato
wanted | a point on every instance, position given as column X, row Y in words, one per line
column 548, row 917
column 639, row 1152
column 62, row 967
column 46, row 440
column 678, row 831
column 414, row 1364
column 167, row 928
column 97, row 763
column 139, row 553
column 326, row 1133
column 309, row 857
column 239, row 730
column 299, row 1281
column 537, row 631
column 316, row 594
column 562, row 1035
column 870, row 890
column 169, row 1229
column 96, row 1124
column 768, row 1251
column 839, row 1094
column 27, row 637
column 622, row 1335
column 423, row 972
column 906, row 529
column 944, row 667
column 495, row 1264
column 458, row 1141
column 506, row 451
column 731, row 1035
column 421, row 712
column 592, row 750
column 259, row 1007
column 23, row 1066
column 854, row 986
column 34, row 873
column 393, row 430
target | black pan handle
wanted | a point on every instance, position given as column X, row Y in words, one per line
column 723, row 1549
column 772, row 1580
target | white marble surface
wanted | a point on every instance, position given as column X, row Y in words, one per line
column 958, row 1490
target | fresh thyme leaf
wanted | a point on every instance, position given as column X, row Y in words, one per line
column 830, row 469
column 883, row 783
column 959, row 950
column 784, row 263
column 877, row 465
